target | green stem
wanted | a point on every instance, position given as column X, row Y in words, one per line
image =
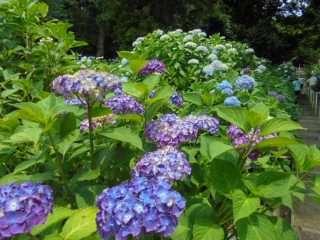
column 93, row 162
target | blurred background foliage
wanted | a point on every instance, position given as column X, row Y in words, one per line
column 277, row 30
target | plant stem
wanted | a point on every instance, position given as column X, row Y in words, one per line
column 89, row 106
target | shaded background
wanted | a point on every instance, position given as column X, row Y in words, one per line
column 277, row 30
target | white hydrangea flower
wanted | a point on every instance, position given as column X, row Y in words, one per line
column 187, row 38
column 232, row 51
column 228, row 45
column 46, row 39
column 164, row 37
column 124, row 79
column 193, row 61
column 203, row 49
column 124, row 61
column 212, row 57
column 191, row 45
column 262, row 68
column 249, row 50
column 215, row 66
column 198, row 32
column 176, row 32
column 138, row 41
column 219, row 47
column 158, row 32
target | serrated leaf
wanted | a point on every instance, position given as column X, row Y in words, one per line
column 275, row 142
column 205, row 229
column 283, row 229
column 80, row 225
column 194, row 98
column 277, row 125
column 66, row 143
column 85, row 175
column 212, row 147
column 58, row 214
column 124, row 134
column 235, row 115
column 242, row 205
column 256, row 227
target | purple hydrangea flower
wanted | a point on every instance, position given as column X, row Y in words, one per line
column 240, row 138
column 232, row 101
column 139, row 207
column 245, row 82
column 154, row 66
column 168, row 163
column 125, row 104
column 204, row 122
column 246, row 70
column 227, row 91
column 224, row 84
column 22, row 206
column 97, row 122
column 272, row 94
column 86, row 83
column 281, row 97
column 171, row 130
column 176, row 99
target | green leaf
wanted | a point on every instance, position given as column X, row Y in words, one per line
column 212, row 147
column 27, row 164
column 85, row 174
column 235, row 115
column 255, row 119
column 275, row 142
column 80, row 225
column 315, row 183
column 256, row 227
column 25, row 134
column 306, row 158
column 243, row 206
column 86, row 195
column 183, row 230
column 135, row 89
column 124, row 134
column 19, row 178
column 154, row 107
column 128, row 55
column 66, row 143
column 205, row 229
column 152, row 81
column 270, row 184
column 137, row 64
column 58, row 214
column 194, row 98
column 262, row 109
column 277, row 125
column 224, row 177
column 283, row 229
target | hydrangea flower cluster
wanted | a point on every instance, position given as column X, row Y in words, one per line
column 138, row 41
column 213, row 67
column 249, row 50
column 245, row 82
column 212, row 57
column 193, row 61
column 154, row 66
column 191, row 45
column 232, row 101
column 187, row 38
column 198, row 32
column 86, row 83
column 275, row 94
column 202, row 49
column 240, row 138
column 97, row 122
column 224, row 85
column 125, row 104
column 165, row 37
column 176, row 99
column 227, row 91
column 246, row 70
column 168, row 163
column 171, row 130
column 22, row 206
column 139, row 207
column 208, row 123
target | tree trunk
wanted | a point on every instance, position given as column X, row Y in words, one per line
column 101, row 38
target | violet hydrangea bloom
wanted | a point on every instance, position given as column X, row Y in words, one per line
column 125, row 104
column 176, row 99
column 246, row 70
column 168, row 163
column 272, row 94
column 240, row 138
column 139, row 207
column 97, row 122
column 281, row 97
column 22, row 206
column 171, row 130
column 154, row 66
column 227, row 91
column 208, row 123
column 86, row 84
column 245, row 82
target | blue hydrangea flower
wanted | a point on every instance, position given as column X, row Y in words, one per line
column 232, row 101
column 223, row 85
column 227, row 91
column 176, row 99
column 168, row 163
column 153, row 93
column 138, row 41
column 139, row 207
column 245, row 82
column 125, row 104
column 188, row 38
column 22, row 206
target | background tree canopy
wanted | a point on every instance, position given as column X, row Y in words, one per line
column 278, row 30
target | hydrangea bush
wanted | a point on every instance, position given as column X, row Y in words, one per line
column 192, row 139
